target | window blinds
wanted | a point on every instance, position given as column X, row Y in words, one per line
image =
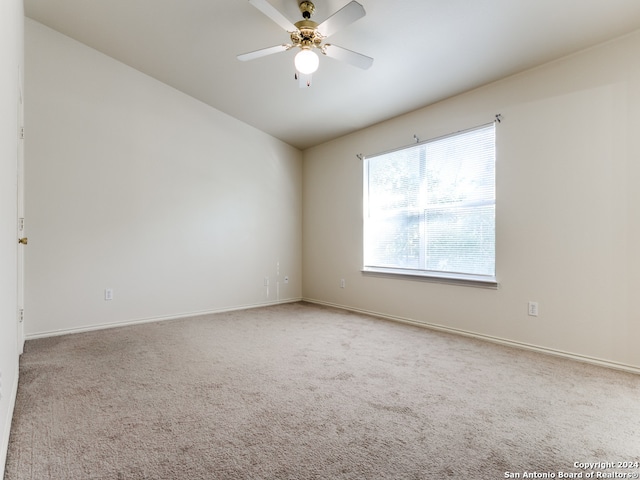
column 431, row 207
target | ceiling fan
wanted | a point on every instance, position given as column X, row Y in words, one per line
column 308, row 35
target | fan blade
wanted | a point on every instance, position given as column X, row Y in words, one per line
column 271, row 12
column 263, row 52
column 351, row 12
column 353, row 58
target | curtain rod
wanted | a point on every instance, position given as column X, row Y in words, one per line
column 497, row 119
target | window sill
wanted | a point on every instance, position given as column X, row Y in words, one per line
column 481, row 281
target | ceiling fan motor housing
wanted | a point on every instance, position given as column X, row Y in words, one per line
column 306, row 36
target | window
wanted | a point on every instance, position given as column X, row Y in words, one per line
column 429, row 209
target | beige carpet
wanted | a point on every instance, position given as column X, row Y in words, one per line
column 302, row 392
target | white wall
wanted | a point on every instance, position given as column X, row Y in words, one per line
column 11, row 66
column 134, row 186
column 568, row 227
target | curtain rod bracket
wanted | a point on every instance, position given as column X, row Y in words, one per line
column 360, row 156
column 415, row 137
column 499, row 117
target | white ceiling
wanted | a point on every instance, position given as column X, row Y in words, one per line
column 424, row 51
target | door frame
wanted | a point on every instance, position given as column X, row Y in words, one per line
column 20, row 221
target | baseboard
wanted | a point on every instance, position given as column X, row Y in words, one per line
column 4, row 448
column 502, row 341
column 139, row 321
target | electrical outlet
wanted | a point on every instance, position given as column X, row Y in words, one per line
column 533, row 309
column 108, row 294
column 286, row 279
column 342, row 283
column 266, row 281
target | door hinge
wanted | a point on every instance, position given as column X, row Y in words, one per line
column 21, row 133
column 21, row 315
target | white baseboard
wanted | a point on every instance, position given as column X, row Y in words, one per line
column 502, row 341
column 4, row 447
column 138, row 321
column 419, row 323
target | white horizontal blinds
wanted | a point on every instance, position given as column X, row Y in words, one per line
column 393, row 233
column 431, row 207
column 459, row 213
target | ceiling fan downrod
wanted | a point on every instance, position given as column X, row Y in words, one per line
column 307, row 9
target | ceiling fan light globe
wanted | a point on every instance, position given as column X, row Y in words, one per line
column 306, row 62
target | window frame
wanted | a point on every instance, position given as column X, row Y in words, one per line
column 455, row 278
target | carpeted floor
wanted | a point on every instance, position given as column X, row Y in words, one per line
column 299, row 391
